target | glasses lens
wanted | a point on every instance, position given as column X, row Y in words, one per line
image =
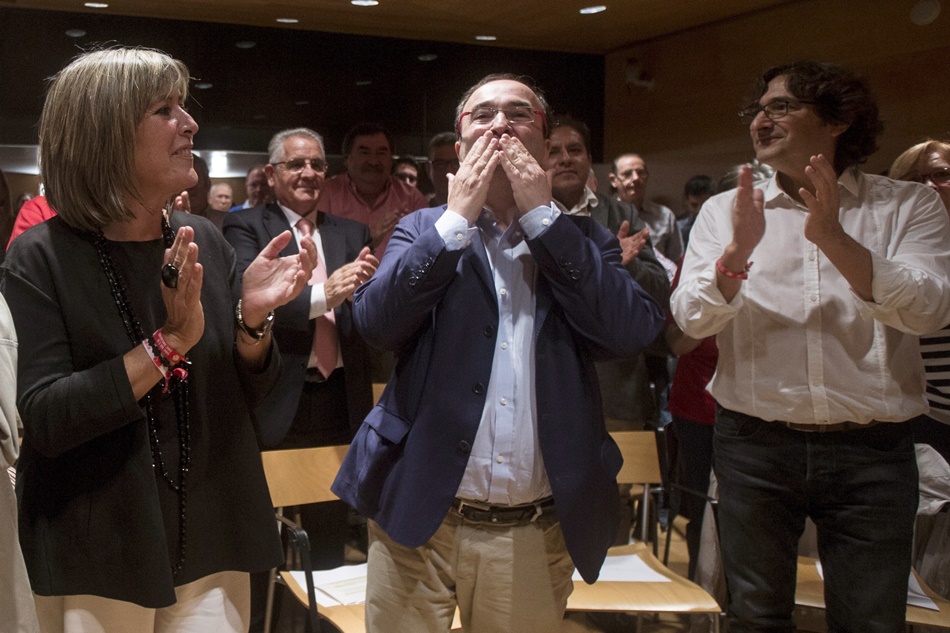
column 298, row 164
column 519, row 115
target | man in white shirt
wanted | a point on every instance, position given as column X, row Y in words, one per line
column 818, row 362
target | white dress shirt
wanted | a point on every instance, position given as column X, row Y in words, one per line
column 505, row 465
column 796, row 344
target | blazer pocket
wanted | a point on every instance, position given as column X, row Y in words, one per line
column 380, row 444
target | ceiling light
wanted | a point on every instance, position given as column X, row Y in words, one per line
column 363, row 82
column 203, row 85
column 245, row 44
column 364, row 3
column 427, row 57
column 592, row 10
column 97, row 5
column 485, row 38
column 75, row 33
column 924, row 12
column 288, row 20
column 301, row 103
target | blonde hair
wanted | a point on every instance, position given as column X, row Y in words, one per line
column 87, row 130
column 907, row 165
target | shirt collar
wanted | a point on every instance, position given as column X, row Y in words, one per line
column 849, row 180
column 588, row 200
column 293, row 217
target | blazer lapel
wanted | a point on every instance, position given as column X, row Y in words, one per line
column 275, row 223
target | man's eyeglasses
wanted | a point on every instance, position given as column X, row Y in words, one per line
column 773, row 110
column 939, row 177
column 515, row 115
column 297, row 165
column 444, row 164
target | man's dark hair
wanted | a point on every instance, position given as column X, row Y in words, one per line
column 699, row 186
column 521, row 79
column 405, row 160
column 578, row 126
column 838, row 95
column 365, row 129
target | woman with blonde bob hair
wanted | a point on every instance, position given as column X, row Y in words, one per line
column 927, row 163
column 143, row 505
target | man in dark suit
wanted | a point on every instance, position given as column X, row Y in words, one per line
column 324, row 391
column 624, row 383
column 486, row 469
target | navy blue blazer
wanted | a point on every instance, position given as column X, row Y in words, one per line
column 436, row 310
column 249, row 231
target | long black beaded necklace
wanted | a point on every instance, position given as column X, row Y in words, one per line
column 180, row 389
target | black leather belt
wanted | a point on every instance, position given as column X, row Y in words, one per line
column 503, row 515
column 829, row 428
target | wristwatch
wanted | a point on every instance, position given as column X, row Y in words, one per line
column 258, row 334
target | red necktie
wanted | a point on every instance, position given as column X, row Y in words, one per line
column 325, row 345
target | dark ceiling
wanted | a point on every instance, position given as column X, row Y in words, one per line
column 326, row 81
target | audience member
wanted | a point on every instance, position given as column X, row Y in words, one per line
column 367, row 192
column 432, row 465
column 16, row 601
column 929, row 163
column 442, row 161
column 325, row 389
column 817, row 354
column 138, row 447
column 219, row 203
column 22, row 199
column 197, row 200
column 34, row 211
column 630, row 177
column 406, row 170
column 624, row 383
column 256, row 188
column 696, row 191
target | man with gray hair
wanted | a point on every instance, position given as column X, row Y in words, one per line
column 324, row 390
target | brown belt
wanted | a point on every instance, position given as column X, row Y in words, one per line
column 828, row 428
column 503, row 515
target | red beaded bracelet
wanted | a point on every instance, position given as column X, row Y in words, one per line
column 728, row 273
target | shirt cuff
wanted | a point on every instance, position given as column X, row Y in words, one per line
column 536, row 221
column 455, row 231
column 318, row 301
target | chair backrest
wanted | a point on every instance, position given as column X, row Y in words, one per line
column 641, row 463
column 302, row 475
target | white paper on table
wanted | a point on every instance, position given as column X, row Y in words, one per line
column 915, row 594
column 343, row 585
column 628, row 568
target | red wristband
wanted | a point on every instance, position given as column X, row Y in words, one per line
column 732, row 275
column 158, row 363
column 167, row 350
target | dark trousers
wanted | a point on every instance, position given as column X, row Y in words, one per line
column 860, row 489
column 694, row 463
column 322, row 419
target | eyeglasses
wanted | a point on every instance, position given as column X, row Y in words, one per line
column 938, row 177
column 515, row 115
column 297, row 165
column 773, row 110
column 444, row 164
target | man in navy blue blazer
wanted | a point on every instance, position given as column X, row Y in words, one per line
column 485, row 469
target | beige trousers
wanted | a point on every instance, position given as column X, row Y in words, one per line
column 219, row 602
column 502, row 579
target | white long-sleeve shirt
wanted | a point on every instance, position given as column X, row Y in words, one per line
column 796, row 344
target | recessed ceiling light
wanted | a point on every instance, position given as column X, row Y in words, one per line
column 364, row 3
column 245, row 44
column 76, row 33
column 427, row 57
column 301, row 102
column 592, row 10
column 485, row 38
column 363, row 82
column 288, row 20
column 96, row 5
column 203, row 85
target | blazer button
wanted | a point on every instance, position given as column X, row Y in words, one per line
column 465, row 447
column 566, row 262
column 489, row 331
column 479, row 389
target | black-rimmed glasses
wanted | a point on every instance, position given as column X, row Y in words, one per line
column 773, row 110
column 515, row 115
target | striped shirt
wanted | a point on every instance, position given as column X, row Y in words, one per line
column 935, row 350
